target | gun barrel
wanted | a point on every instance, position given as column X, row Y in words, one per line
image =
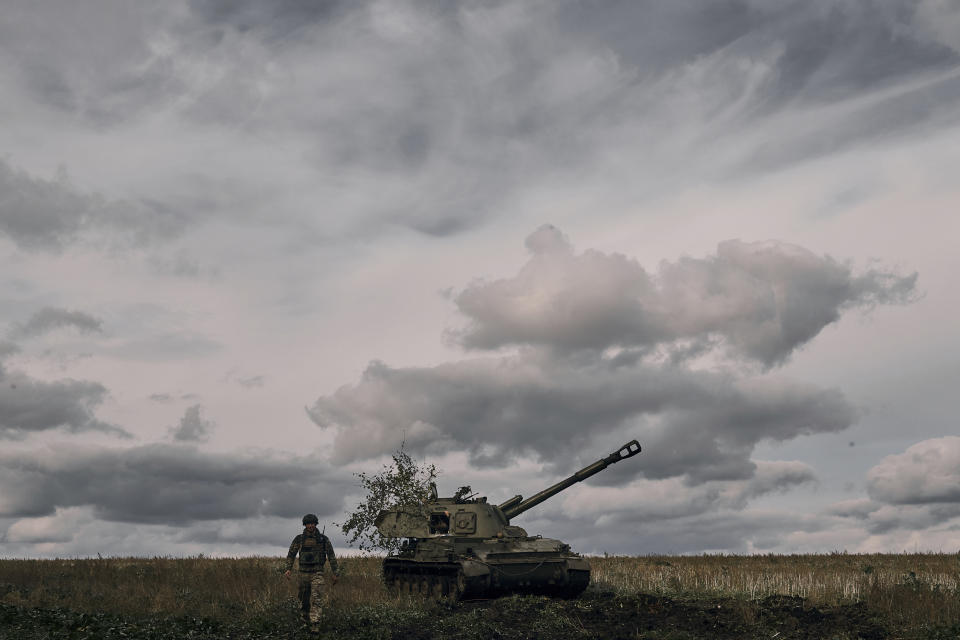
column 514, row 506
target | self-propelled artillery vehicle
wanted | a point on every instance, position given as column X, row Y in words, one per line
column 464, row 546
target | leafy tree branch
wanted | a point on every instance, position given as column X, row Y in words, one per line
column 404, row 484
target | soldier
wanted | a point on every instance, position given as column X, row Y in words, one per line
column 314, row 549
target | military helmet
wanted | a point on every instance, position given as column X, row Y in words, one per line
column 310, row 519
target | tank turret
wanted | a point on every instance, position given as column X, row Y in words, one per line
column 465, row 546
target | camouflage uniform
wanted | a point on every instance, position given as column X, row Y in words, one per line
column 314, row 550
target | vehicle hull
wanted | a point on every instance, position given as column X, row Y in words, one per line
column 491, row 570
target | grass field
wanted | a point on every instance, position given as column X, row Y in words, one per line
column 848, row 596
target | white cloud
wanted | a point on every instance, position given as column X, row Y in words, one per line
column 914, row 500
column 588, row 328
column 160, row 483
column 926, row 473
column 761, row 300
column 59, row 527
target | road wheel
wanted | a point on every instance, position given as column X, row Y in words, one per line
column 456, row 587
column 436, row 588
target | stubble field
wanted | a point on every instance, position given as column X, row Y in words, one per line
column 655, row 597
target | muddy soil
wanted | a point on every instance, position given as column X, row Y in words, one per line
column 780, row 617
column 595, row 615
column 609, row 616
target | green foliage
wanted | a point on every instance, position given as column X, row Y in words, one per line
column 463, row 494
column 404, row 484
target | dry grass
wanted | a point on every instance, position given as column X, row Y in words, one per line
column 207, row 587
column 188, row 586
column 906, row 589
column 903, row 588
column 153, row 598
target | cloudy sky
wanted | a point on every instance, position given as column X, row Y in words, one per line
column 249, row 249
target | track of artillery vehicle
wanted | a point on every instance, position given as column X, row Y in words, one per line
column 465, row 547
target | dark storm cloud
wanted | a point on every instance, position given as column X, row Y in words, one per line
column 278, row 19
column 53, row 318
column 41, row 214
column 830, row 47
column 463, row 104
column 761, row 300
column 656, row 35
column 925, row 107
column 95, row 62
column 172, row 484
column 813, row 54
column 700, row 424
column 836, row 49
column 31, row 406
column 600, row 344
column 193, row 427
column 476, row 104
column 783, row 83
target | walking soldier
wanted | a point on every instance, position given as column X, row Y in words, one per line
column 314, row 549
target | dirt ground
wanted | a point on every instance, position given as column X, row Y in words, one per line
column 641, row 616
column 595, row 615
column 608, row 616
